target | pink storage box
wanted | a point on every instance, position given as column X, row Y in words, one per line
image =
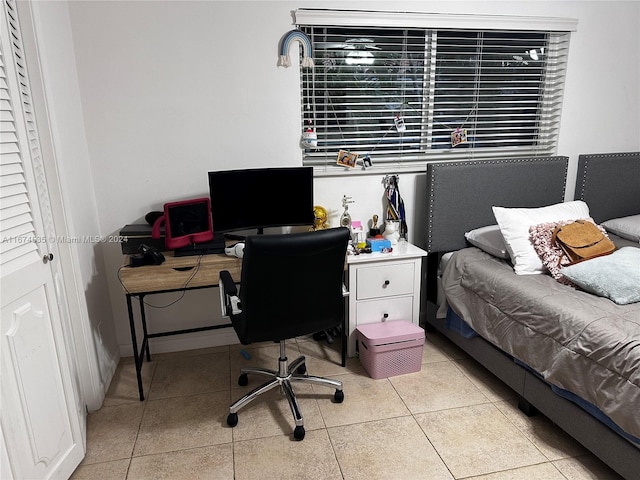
column 390, row 348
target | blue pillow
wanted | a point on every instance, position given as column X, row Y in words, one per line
column 615, row 276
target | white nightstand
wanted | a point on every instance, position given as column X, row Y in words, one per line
column 383, row 286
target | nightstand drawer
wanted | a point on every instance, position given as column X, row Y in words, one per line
column 384, row 280
column 371, row 311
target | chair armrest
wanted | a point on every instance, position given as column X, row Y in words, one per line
column 229, row 300
column 227, row 283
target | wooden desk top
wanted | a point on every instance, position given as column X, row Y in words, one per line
column 176, row 272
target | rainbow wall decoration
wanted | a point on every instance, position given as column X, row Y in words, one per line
column 307, row 49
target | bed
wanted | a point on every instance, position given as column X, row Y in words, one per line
column 571, row 355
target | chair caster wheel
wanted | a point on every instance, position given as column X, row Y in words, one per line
column 302, row 369
column 232, row 419
column 243, row 380
column 298, row 433
column 338, row 397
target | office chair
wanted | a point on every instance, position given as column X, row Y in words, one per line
column 290, row 285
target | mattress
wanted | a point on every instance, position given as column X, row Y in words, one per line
column 580, row 343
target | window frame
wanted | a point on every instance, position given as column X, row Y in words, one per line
column 557, row 31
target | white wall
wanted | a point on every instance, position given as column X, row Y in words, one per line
column 171, row 90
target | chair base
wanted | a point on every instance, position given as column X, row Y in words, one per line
column 286, row 374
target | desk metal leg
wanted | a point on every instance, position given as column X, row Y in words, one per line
column 138, row 354
column 145, row 340
column 344, row 332
column 134, row 343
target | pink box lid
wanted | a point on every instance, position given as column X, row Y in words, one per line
column 391, row 331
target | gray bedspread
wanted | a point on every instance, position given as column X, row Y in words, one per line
column 582, row 343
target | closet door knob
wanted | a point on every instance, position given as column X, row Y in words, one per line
column 47, row 257
column 386, row 282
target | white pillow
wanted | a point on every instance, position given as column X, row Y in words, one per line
column 625, row 227
column 488, row 239
column 515, row 222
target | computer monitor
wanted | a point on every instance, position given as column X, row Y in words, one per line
column 259, row 198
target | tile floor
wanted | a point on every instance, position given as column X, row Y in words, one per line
column 451, row 420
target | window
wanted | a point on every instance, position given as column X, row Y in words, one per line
column 408, row 94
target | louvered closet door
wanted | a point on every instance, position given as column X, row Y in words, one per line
column 41, row 434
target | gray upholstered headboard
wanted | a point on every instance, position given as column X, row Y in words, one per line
column 460, row 194
column 610, row 184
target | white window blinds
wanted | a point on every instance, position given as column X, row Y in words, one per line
column 413, row 94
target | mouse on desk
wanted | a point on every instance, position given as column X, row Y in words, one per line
column 147, row 256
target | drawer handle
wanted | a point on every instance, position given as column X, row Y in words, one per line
column 183, row 269
column 385, row 316
column 386, row 282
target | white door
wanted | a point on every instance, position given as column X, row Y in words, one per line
column 41, row 432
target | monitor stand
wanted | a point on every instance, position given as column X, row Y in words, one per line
column 233, row 236
column 242, row 238
column 205, row 248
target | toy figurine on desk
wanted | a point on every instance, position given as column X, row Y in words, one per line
column 374, row 227
column 320, row 218
column 392, row 231
column 345, row 218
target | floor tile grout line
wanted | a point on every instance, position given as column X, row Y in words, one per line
column 489, row 401
column 448, row 358
column 499, row 400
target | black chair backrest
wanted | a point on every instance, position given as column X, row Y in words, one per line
column 291, row 284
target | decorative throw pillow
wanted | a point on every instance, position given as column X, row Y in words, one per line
column 488, row 239
column 550, row 254
column 615, row 276
column 515, row 222
column 625, row 227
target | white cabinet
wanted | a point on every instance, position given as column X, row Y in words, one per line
column 383, row 286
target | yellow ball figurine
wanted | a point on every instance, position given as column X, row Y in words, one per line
column 320, row 217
